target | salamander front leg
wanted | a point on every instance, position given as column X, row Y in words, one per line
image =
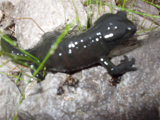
column 39, row 75
column 120, row 69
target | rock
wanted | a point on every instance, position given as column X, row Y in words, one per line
column 7, row 6
column 1, row 15
column 137, row 96
column 145, row 22
column 49, row 15
column 9, row 3
column 145, row 7
column 9, row 95
column 8, row 66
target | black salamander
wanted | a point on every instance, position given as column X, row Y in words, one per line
column 87, row 49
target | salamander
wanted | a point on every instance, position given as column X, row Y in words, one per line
column 87, row 49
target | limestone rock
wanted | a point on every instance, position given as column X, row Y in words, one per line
column 9, row 96
column 50, row 15
column 137, row 96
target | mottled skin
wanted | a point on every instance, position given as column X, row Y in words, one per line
column 87, row 49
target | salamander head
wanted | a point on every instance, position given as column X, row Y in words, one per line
column 115, row 27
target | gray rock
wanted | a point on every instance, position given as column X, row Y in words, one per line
column 1, row 14
column 137, row 97
column 9, row 4
column 144, row 22
column 49, row 15
column 7, row 7
column 9, row 96
column 7, row 66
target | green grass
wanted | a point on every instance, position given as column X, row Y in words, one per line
column 99, row 4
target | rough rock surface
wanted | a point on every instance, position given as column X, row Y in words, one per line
column 45, row 13
column 8, row 7
column 7, row 3
column 9, row 96
column 137, row 97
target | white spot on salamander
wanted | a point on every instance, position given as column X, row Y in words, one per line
column 52, row 46
column 32, row 66
column 73, row 45
column 37, row 75
column 105, row 63
column 129, row 28
column 110, row 23
column 76, row 43
column 97, row 39
column 98, row 33
column 60, row 54
column 81, row 40
column 70, row 51
column 109, row 35
column 84, row 46
column 69, row 46
column 101, row 59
